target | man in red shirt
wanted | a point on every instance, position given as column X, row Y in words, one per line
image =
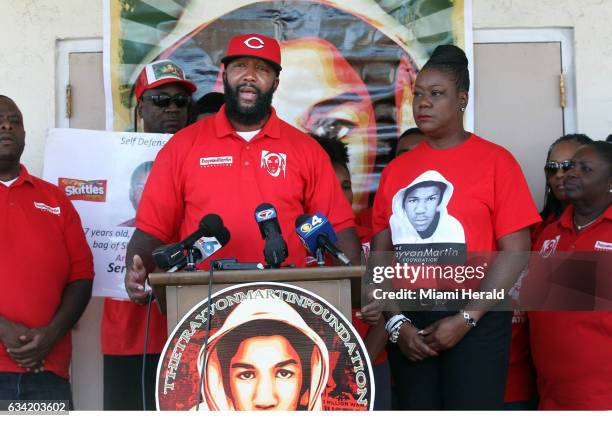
column 46, row 274
column 231, row 162
column 163, row 97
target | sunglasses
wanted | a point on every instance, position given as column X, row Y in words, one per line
column 164, row 100
column 552, row 167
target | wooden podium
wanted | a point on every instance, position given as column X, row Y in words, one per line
column 185, row 289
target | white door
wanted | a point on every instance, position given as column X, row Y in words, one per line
column 80, row 92
column 518, row 100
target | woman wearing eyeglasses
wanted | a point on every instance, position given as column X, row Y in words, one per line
column 572, row 350
column 520, row 386
column 557, row 161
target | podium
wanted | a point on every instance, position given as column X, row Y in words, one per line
column 185, row 289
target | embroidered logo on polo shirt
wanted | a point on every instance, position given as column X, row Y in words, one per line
column 42, row 206
column 216, row 161
column 274, row 163
column 88, row 190
column 549, row 247
column 603, row 246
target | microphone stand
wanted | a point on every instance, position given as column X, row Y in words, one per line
column 191, row 266
column 320, row 255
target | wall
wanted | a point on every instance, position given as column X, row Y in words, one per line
column 593, row 47
column 30, row 29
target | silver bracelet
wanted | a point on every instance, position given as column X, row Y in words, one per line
column 392, row 322
column 393, row 338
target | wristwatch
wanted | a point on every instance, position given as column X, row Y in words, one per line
column 467, row 318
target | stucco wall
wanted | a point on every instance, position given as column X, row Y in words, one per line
column 590, row 20
column 30, row 29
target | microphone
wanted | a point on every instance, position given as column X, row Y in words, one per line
column 169, row 255
column 210, row 236
column 317, row 234
column 204, row 247
column 275, row 248
column 209, row 224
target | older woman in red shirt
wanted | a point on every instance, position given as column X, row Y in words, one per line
column 572, row 350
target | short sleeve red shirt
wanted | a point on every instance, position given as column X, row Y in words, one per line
column 44, row 249
column 489, row 197
column 572, row 350
column 208, row 168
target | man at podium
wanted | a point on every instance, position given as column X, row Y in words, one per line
column 231, row 162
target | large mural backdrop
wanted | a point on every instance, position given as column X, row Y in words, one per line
column 348, row 66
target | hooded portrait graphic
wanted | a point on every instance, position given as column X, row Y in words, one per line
column 420, row 214
column 264, row 356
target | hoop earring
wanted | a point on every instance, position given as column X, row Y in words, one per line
column 462, row 109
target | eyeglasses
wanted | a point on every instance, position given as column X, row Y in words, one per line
column 552, row 167
column 164, row 100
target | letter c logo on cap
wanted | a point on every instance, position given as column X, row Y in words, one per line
column 254, row 42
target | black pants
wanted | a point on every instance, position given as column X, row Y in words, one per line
column 469, row 376
column 123, row 382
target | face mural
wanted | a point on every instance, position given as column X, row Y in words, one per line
column 342, row 78
column 349, row 68
column 332, row 101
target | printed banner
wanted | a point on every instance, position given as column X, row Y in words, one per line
column 270, row 346
column 348, row 66
column 104, row 174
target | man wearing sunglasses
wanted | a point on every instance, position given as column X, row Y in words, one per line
column 163, row 96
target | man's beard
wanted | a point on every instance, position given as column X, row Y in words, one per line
column 254, row 114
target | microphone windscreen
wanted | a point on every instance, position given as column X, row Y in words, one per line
column 263, row 206
column 211, row 223
column 223, row 236
column 301, row 219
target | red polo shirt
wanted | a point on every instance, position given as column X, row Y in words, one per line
column 572, row 350
column 44, row 249
column 208, row 168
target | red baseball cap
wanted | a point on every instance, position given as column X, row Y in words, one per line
column 254, row 45
column 159, row 73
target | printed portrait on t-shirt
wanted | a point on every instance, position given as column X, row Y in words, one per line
column 421, row 225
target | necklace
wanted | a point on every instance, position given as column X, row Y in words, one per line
column 581, row 227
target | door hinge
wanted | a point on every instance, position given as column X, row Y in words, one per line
column 562, row 95
column 68, row 101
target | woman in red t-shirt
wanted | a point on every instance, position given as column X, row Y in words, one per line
column 572, row 350
column 520, row 387
column 454, row 194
